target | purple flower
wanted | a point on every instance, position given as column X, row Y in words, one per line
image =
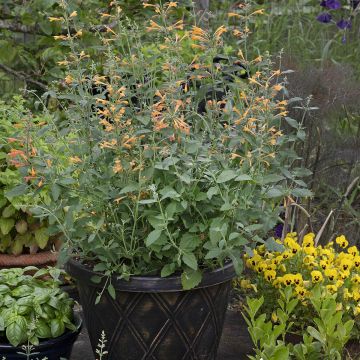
column 331, row 4
column 344, row 24
column 278, row 229
column 324, row 18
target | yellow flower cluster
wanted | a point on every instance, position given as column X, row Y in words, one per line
column 335, row 266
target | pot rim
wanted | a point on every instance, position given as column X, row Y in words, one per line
column 153, row 284
column 43, row 345
column 38, row 259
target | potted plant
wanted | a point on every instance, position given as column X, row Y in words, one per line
column 312, row 297
column 36, row 317
column 159, row 199
column 24, row 240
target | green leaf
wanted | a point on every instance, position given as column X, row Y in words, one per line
column 96, row 279
column 16, row 191
column 243, row 177
column 190, row 260
column 152, row 237
column 41, row 237
column 6, row 225
column 111, row 291
column 315, row 334
column 169, row 192
column 189, row 242
column 225, row 176
column 274, row 193
column 292, row 122
column 16, row 331
column 190, row 279
column 167, row 270
column 213, row 254
column 55, row 191
column 212, row 191
column 57, row 327
column 43, row 330
column 281, row 353
column 272, row 178
column 129, row 188
column 8, row 212
column 299, row 192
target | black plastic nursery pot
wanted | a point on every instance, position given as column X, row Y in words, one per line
column 53, row 349
column 153, row 318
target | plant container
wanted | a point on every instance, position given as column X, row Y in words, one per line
column 52, row 349
column 39, row 259
column 153, row 317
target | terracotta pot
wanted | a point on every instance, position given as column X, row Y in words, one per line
column 38, row 259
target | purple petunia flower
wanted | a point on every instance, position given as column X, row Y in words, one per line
column 324, row 18
column 344, row 24
column 278, row 229
column 331, row 4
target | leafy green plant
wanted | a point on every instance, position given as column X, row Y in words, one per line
column 331, row 330
column 269, row 338
column 325, row 338
column 154, row 185
column 33, row 307
column 20, row 232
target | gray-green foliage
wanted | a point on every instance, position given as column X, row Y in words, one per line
column 157, row 186
column 33, row 307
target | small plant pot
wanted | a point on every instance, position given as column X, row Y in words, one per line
column 52, row 349
column 153, row 317
column 38, row 259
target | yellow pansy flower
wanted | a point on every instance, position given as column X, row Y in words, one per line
column 300, row 291
column 308, row 240
column 316, row 276
column 253, row 261
column 346, row 264
column 353, row 250
column 245, row 284
column 324, row 264
column 347, row 294
column 310, row 250
column 260, row 267
column 332, row 289
column 357, row 310
column 277, row 260
column 339, row 284
column 356, row 295
column 287, row 254
column 278, row 282
column 298, row 279
column 274, row 317
column 343, row 275
column 331, row 274
column 341, row 241
column 355, row 279
column 269, row 275
column 270, row 267
column 357, row 261
column 288, row 279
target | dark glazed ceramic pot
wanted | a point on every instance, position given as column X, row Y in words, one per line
column 52, row 349
column 153, row 318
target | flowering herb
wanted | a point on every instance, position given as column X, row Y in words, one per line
column 155, row 186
